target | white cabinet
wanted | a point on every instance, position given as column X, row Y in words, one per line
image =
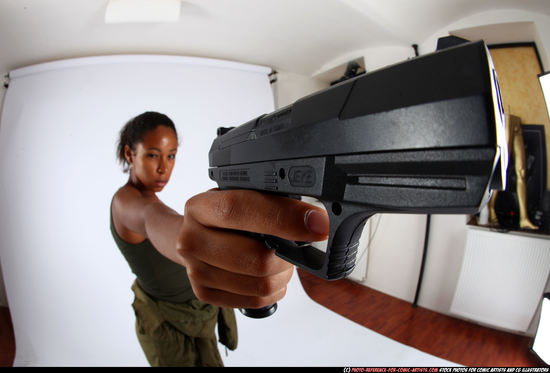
column 502, row 279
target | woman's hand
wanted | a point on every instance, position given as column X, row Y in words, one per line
column 233, row 270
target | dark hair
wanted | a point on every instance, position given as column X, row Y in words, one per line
column 135, row 130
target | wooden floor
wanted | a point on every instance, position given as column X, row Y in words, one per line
column 448, row 338
column 7, row 340
column 439, row 335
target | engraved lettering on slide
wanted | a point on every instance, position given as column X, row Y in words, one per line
column 302, row 176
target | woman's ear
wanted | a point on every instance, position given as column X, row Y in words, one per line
column 129, row 155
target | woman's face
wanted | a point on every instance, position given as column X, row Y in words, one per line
column 153, row 160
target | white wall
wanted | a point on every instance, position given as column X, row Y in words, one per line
column 290, row 87
column 374, row 57
column 504, row 26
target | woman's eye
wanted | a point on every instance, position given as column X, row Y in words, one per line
column 172, row 156
column 151, row 155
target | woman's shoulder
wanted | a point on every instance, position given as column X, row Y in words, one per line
column 128, row 199
column 129, row 193
column 126, row 204
column 126, row 191
column 125, row 197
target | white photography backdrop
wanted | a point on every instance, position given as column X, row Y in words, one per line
column 68, row 286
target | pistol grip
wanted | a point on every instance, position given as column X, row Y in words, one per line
column 346, row 225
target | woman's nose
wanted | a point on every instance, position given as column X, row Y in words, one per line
column 162, row 167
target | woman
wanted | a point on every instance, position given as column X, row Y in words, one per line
column 189, row 265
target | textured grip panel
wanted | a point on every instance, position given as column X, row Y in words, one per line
column 341, row 260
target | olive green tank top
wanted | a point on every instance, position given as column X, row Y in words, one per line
column 157, row 275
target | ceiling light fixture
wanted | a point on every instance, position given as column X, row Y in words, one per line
column 142, row 11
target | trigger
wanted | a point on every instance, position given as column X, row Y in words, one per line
column 270, row 244
column 273, row 243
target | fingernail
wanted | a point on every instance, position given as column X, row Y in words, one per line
column 317, row 222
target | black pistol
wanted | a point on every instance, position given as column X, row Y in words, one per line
column 423, row 136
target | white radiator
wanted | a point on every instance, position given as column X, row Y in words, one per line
column 502, row 279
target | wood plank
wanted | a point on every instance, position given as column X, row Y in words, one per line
column 7, row 339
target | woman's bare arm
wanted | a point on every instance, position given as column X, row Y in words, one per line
column 138, row 217
column 226, row 268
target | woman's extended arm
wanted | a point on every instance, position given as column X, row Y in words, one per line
column 226, row 268
column 138, row 216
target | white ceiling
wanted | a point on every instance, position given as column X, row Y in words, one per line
column 291, row 35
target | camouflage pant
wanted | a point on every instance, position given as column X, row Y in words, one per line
column 182, row 334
